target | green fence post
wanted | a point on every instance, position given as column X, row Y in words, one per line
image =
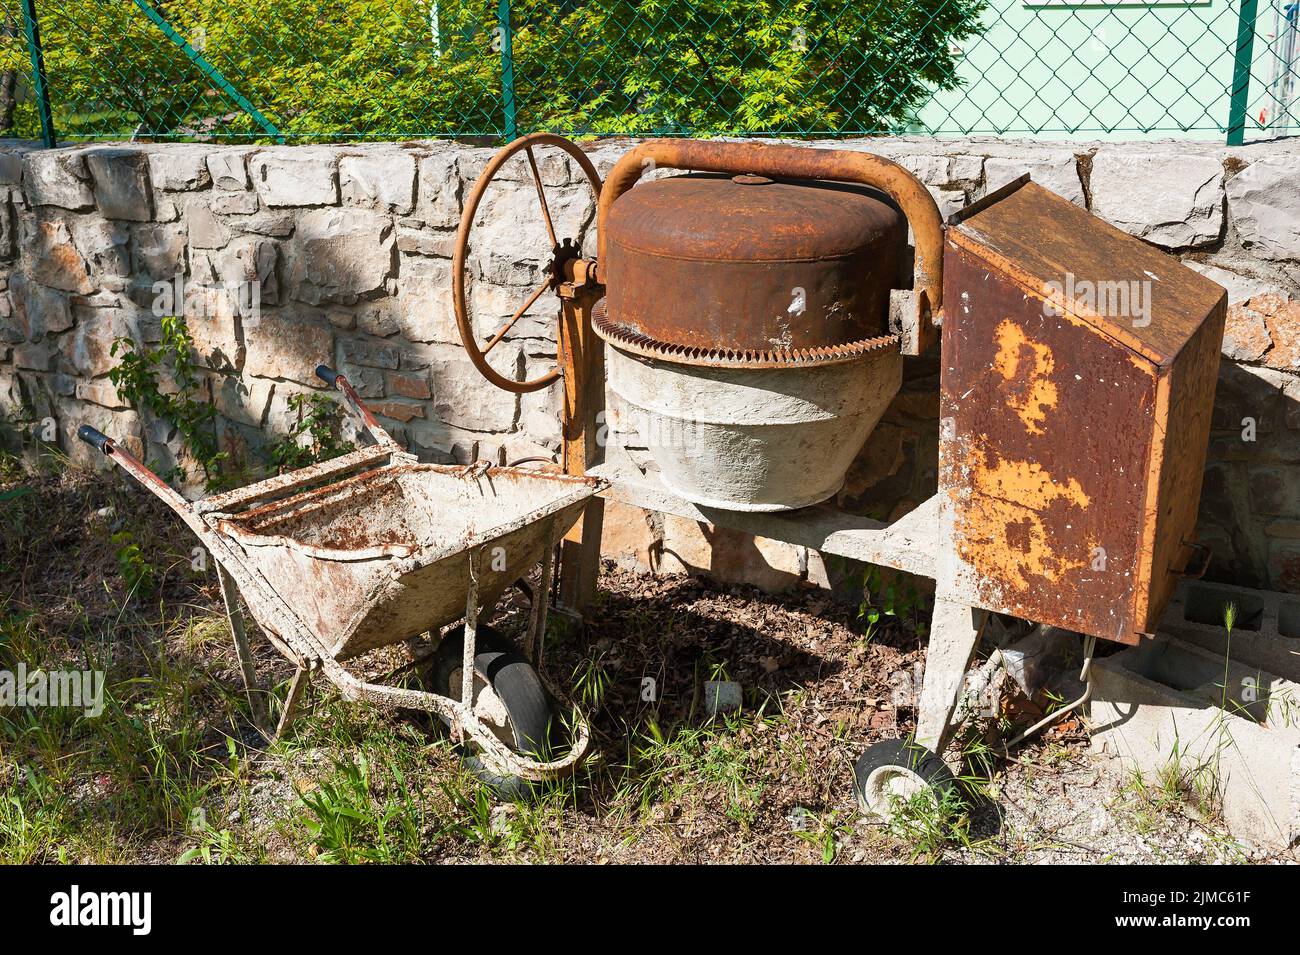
column 208, row 70
column 1241, row 72
column 507, row 68
column 40, row 85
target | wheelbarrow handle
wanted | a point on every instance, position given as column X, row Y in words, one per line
column 95, row 438
column 340, row 383
column 127, row 462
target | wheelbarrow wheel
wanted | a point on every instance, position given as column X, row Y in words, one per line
column 892, row 773
column 509, row 698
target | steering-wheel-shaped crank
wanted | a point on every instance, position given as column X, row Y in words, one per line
column 564, row 254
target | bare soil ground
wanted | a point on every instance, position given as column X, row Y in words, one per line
column 94, row 573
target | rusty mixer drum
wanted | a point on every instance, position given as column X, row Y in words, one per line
column 748, row 320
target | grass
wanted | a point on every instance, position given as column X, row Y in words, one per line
column 173, row 771
column 351, row 817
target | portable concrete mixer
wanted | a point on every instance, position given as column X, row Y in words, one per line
column 757, row 310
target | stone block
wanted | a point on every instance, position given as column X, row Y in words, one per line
column 88, row 349
column 56, row 261
column 57, row 177
column 382, row 180
column 243, row 399
column 121, row 178
column 425, row 312
column 178, row 167
column 280, row 348
column 210, row 318
column 397, row 410
column 229, row 168
column 1057, row 171
column 158, row 250
column 409, row 386
column 1170, row 199
column 234, row 203
column 371, row 354
column 416, row 241
column 1264, row 202
column 246, row 264
column 339, row 255
column 105, row 244
column 439, row 190
column 206, row 231
column 37, row 309
column 1267, row 327
column 101, row 392
column 294, row 176
column 465, row 399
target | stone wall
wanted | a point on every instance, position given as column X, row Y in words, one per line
column 350, row 249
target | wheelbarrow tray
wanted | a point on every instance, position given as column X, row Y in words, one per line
column 385, row 555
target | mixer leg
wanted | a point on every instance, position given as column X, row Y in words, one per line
column 582, row 355
column 954, row 634
column 893, row 772
column 580, row 560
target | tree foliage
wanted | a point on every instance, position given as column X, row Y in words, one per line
column 336, row 69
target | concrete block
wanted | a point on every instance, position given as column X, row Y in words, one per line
column 1266, row 634
column 1169, row 706
column 722, row 696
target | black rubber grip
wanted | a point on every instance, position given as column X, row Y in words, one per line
column 94, row 437
column 327, row 374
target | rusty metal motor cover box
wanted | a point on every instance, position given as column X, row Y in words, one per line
column 1079, row 368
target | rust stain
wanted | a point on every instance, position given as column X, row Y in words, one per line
column 1035, row 392
column 1004, row 526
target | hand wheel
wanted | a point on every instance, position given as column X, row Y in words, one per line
column 562, row 250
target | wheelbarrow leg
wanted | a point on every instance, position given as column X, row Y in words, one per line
column 470, row 644
column 954, row 635
column 297, row 688
column 256, row 696
column 535, row 636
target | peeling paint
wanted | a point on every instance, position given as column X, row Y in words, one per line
column 1035, row 392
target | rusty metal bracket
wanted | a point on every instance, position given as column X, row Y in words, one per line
column 1207, row 555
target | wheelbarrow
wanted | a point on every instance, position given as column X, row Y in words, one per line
column 373, row 549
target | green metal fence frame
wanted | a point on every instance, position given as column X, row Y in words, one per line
column 1241, row 72
column 1236, row 124
column 40, row 84
column 206, row 68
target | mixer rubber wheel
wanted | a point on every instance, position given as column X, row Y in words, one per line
column 509, row 698
column 893, row 772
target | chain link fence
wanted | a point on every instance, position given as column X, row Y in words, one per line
column 290, row 70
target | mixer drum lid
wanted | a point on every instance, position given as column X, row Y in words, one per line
column 747, row 263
